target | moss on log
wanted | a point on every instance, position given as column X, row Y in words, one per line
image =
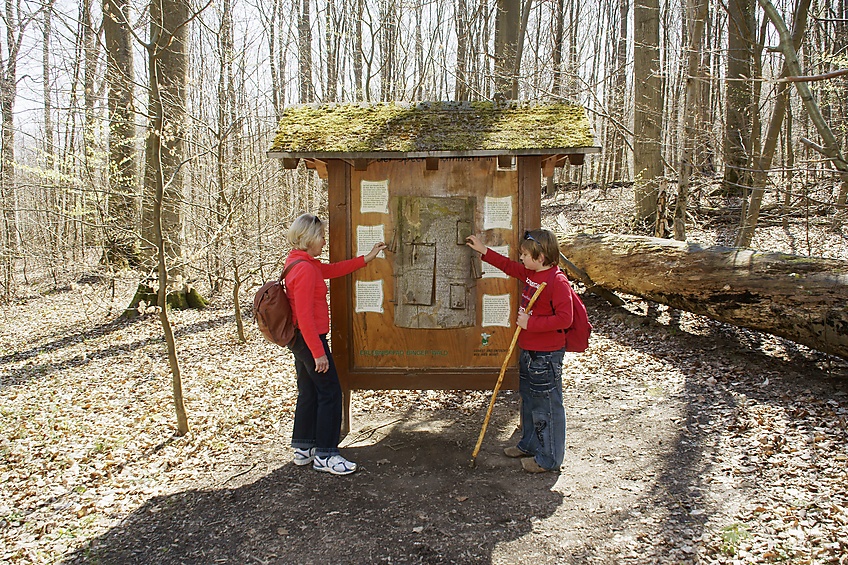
column 182, row 299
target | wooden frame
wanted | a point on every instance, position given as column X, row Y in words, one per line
column 526, row 182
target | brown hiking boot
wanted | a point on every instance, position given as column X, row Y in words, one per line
column 513, row 451
column 529, row 464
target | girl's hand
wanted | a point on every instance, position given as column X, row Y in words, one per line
column 322, row 364
column 522, row 319
column 379, row 246
column 474, row 243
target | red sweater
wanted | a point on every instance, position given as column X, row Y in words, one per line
column 307, row 293
column 552, row 312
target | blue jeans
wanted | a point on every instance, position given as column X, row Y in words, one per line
column 318, row 414
column 542, row 411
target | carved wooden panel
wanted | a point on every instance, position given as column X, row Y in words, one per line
column 381, row 354
column 433, row 270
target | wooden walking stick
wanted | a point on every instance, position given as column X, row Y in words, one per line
column 501, row 376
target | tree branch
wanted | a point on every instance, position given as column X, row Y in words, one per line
column 826, row 76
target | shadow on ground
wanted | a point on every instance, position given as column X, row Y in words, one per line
column 416, row 499
column 11, row 374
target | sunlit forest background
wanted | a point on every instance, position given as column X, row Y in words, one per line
column 686, row 101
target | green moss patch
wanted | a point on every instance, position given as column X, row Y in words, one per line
column 431, row 126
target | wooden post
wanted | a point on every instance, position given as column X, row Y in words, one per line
column 338, row 205
column 529, row 192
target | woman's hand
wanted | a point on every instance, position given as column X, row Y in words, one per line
column 322, row 364
column 379, row 246
column 522, row 319
column 474, row 243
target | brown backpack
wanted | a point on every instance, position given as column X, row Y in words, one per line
column 272, row 310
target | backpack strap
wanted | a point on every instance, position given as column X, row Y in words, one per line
column 556, row 271
column 283, row 279
column 289, row 268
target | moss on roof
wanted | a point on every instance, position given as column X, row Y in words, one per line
column 431, row 127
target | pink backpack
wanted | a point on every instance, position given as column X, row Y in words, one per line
column 577, row 336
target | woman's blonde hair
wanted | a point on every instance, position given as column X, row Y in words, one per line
column 305, row 231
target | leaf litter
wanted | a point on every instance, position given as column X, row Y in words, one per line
column 690, row 441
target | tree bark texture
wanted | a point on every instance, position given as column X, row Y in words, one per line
column 304, row 34
column 167, row 67
column 697, row 13
column 462, row 49
column 506, row 46
column 800, row 298
column 121, row 245
column 740, row 52
column 8, row 93
column 647, row 101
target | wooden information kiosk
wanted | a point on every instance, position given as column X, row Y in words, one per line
column 430, row 314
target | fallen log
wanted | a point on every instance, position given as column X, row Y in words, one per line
column 804, row 299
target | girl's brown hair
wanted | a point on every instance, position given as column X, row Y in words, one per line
column 541, row 242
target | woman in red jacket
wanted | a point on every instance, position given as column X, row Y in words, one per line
column 542, row 345
column 318, row 414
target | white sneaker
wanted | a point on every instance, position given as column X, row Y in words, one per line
column 335, row 464
column 303, row 456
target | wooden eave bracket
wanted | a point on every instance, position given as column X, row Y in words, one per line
column 549, row 163
column 318, row 166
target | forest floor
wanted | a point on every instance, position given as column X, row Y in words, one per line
column 689, row 441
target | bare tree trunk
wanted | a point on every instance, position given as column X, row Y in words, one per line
column 8, row 197
column 737, row 136
column 557, row 46
column 359, row 93
column 167, row 103
column 572, row 62
column 506, row 45
column 647, row 101
column 332, row 37
column 462, row 49
column 519, row 48
column 89, row 44
column 620, row 156
column 697, row 11
column 167, row 68
column 47, row 81
column 121, row 245
column 420, row 63
column 781, row 102
column 277, row 92
column 799, row 298
column 388, row 38
column 304, row 33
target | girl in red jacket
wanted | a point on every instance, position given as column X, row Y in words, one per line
column 542, row 347
column 318, row 414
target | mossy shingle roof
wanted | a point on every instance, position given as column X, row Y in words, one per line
column 432, row 129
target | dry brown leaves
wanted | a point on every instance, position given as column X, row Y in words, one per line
column 87, row 422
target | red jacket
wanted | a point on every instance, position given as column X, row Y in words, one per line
column 552, row 313
column 307, row 293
